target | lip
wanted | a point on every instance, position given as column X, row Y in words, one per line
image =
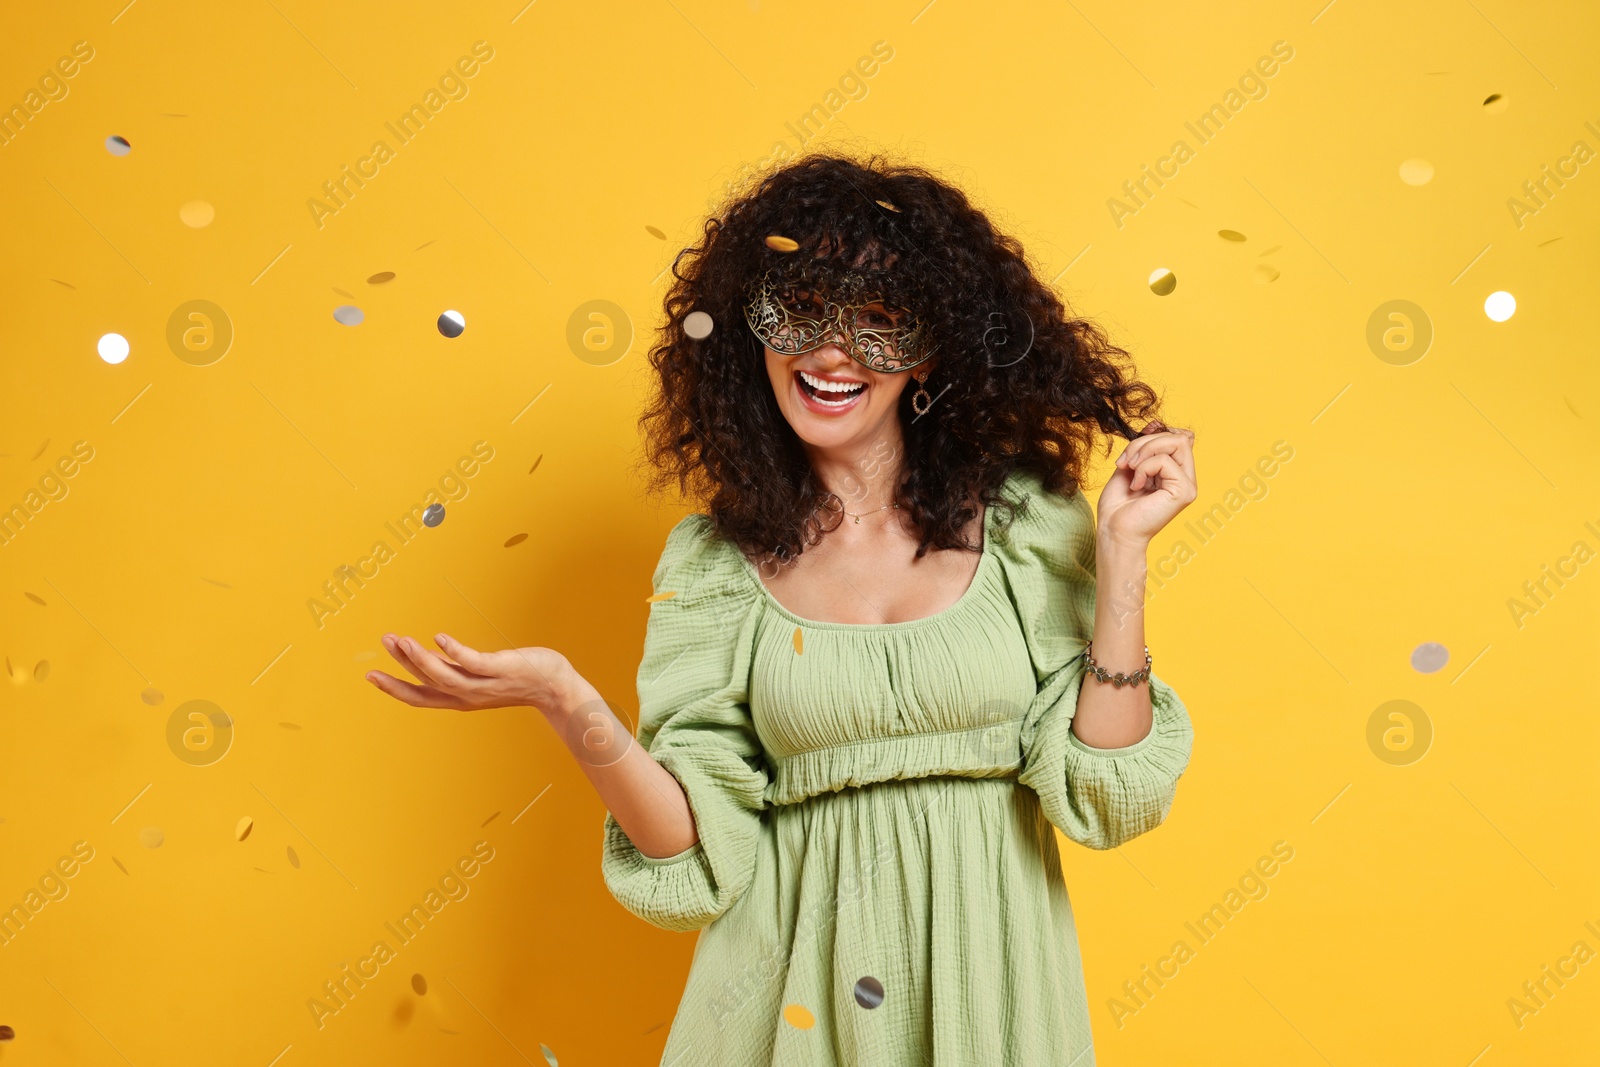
column 823, row 410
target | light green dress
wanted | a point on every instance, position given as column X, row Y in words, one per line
column 877, row 881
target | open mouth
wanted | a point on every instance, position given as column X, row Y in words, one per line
column 827, row 394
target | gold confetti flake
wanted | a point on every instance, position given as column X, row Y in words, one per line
column 120, row 867
column 1231, row 235
column 659, row 597
column 549, row 1057
column 42, row 447
column 197, row 214
column 782, row 244
column 885, row 204
column 41, row 670
column 242, row 830
column 151, row 837
column 1266, row 273
column 799, row 1017
column 799, row 642
column 381, row 277
column 489, row 820
column 516, row 539
column 536, row 463
column 1163, row 282
column 653, row 232
column 36, row 599
column 294, row 858
column 290, row 725
column 1495, row 104
column 420, row 984
column 1416, row 172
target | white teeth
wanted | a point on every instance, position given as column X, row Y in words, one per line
column 823, row 385
column 834, row 403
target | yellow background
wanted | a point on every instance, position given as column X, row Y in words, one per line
column 1418, row 501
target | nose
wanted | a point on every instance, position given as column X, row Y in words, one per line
column 835, row 353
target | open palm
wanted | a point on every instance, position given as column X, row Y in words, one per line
column 471, row 680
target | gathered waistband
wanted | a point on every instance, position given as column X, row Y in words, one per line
column 989, row 751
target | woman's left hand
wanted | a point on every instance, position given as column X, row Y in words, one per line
column 1153, row 481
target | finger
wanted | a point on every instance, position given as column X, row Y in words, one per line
column 470, row 659
column 397, row 650
column 1148, row 471
column 1142, row 447
column 1177, row 443
column 434, row 668
column 1161, row 472
column 1183, row 450
column 392, row 644
column 1184, row 453
column 416, row 695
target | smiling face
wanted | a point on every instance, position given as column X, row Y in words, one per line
column 831, row 401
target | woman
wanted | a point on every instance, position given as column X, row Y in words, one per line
column 868, row 694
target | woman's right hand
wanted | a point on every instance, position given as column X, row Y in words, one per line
column 474, row 681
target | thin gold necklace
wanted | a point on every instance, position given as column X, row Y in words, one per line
column 874, row 511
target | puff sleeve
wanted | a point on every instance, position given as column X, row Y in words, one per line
column 1099, row 797
column 694, row 719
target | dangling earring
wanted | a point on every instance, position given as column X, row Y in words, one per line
column 921, row 400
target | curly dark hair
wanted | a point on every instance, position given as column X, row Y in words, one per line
column 1021, row 384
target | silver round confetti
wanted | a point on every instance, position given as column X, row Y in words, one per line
column 434, row 515
column 452, row 324
column 1430, row 657
column 348, row 315
column 698, row 324
column 118, row 146
column 869, row 992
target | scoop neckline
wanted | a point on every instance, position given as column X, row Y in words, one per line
column 967, row 594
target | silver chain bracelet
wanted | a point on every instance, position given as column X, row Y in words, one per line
column 1118, row 679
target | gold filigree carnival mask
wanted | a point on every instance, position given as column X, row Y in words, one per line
column 793, row 315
